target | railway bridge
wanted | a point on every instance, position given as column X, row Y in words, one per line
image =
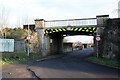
column 51, row 33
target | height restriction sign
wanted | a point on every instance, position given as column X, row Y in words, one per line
column 28, row 37
column 68, row 28
column 98, row 38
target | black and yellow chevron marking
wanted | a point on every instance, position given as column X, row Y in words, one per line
column 84, row 29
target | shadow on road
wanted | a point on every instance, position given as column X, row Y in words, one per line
column 74, row 62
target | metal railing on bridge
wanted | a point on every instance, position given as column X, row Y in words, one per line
column 71, row 22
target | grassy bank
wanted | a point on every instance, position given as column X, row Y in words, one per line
column 11, row 58
column 108, row 62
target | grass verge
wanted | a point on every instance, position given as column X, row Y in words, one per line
column 11, row 58
column 108, row 62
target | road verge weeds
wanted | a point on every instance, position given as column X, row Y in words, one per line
column 11, row 58
column 105, row 61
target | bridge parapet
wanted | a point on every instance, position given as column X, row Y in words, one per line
column 70, row 22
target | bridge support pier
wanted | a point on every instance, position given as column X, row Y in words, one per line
column 101, row 24
column 57, row 44
column 48, row 44
column 42, row 39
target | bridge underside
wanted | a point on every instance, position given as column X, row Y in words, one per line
column 56, row 34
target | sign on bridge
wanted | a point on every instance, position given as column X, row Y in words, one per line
column 69, row 28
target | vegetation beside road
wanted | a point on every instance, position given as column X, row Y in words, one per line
column 11, row 58
column 16, row 33
column 105, row 61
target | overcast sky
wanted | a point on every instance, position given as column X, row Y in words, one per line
column 20, row 10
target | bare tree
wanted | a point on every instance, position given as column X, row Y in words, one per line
column 3, row 19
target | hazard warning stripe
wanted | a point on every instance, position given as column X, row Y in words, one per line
column 84, row 29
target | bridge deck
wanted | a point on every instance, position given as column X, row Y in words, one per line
column 86, row 25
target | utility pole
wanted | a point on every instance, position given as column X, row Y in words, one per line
column 28, row 41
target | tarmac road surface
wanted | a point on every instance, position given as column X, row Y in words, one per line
column 73, row 65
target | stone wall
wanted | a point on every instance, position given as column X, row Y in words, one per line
column 34, row 44
column 111, row 39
